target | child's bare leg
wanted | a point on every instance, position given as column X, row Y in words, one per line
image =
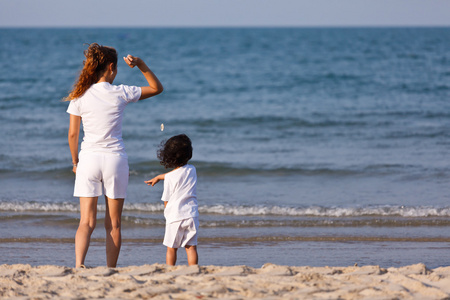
column 88, row 220
column 192, row 255
column 171, row 256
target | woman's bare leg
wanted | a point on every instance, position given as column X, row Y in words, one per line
column 113, row 217
column 88, row 220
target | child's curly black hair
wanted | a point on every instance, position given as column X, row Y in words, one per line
column 175, row 152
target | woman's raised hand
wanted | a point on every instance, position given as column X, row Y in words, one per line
column 131, row 60
column 154, row 85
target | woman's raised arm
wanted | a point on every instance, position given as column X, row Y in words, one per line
column 154, row 85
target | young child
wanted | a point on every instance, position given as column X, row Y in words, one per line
column 180, row 198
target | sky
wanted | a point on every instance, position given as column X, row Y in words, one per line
column 228, row 13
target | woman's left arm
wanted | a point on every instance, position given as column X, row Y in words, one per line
column 73, row 137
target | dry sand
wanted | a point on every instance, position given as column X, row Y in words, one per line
column 236, row 282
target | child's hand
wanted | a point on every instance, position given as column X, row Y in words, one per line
column 152, row 181
column 156, row 179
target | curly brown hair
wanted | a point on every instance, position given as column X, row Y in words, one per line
column 175, row 152
column 97, row 60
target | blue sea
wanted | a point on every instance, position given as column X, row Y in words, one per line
column 313, row 146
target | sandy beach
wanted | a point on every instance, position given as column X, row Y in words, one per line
column 232, row 282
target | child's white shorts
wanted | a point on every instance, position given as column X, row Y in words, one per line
column 181, row 233
column 95, row 170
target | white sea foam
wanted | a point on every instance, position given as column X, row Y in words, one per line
column 311, row 211
column 37, row 206
column 318, row 211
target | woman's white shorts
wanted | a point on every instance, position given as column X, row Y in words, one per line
column 95, row 170
column 181, row 233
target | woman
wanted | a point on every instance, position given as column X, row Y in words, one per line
column 102, row 161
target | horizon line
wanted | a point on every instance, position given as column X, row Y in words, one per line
column 214, row 26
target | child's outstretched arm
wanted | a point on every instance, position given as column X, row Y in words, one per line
column 155, row 180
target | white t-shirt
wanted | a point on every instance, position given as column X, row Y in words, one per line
column 180, row 192
column 101, row 109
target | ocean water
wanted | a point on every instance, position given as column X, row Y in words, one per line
column 313, row 146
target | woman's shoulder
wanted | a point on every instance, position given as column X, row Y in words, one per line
column 131, row 92
column 108, row 86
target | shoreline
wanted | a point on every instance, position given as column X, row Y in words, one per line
column 232, row 282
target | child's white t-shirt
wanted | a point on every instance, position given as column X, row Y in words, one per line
column 180, row 192
column 101, row 108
